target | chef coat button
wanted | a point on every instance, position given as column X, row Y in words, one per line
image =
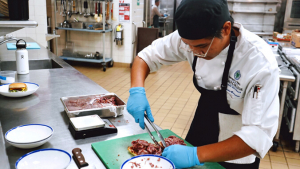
column 223, row 63
column 199, row 77
column 217, row 88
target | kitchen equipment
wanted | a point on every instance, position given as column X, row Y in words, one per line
column 22, row 62
column 117, row 148
column 98, row 55
column 66, row 24
column 92, row 7
column 29, row 135
column 80, row 7
column 87, row 130
column 80, row 160
column 49, row 158
column 158, row 133
column 74, row 7
column 292, row 15
column 159, row 161
column 77, row 24
column 31, row 88
column 102, row 112
column 87, row 122
column 86, row 13
column 18, row 10
column 70, row 6
column 63, row 8
column 7, row 77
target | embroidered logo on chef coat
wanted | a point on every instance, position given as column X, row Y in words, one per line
column 234, row 87
column 237, row 75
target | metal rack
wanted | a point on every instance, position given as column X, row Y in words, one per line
column 248, row 17
column 103, row 61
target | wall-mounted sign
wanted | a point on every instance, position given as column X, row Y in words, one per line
column 124, row 12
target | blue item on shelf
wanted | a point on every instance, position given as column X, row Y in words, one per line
column 30, row 45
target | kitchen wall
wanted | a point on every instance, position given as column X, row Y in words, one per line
column 37, row 12
column 88, row 42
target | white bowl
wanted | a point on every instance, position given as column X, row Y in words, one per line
column 145, row 160
column 44, row 159
column 29, row 135
column 31, row 88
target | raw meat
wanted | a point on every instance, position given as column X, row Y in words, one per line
column 89, row 102
column 139, row 147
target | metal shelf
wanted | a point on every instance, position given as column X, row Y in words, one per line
column 84, row 30
column 102, row 61
column 8, row 26
column 86, row 60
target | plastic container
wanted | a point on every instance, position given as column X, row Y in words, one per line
column 10, row 77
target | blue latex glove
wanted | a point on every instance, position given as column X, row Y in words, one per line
column 182, row 156
column 137, row 105
column 165, row 15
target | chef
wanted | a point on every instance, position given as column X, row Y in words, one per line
column 237, row 76
column 155, row 14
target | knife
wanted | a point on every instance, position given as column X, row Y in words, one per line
column 80, row 160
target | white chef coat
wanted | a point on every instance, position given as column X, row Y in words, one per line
column 154, row 12
column 253, row 63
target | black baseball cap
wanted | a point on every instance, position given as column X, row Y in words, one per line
column 197, row 19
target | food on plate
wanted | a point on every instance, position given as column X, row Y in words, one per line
column 90, row 102
column 17, row 87
column 140, row 147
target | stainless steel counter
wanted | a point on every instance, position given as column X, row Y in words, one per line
column 45, row 107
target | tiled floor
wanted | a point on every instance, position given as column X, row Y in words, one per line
column 173, row 100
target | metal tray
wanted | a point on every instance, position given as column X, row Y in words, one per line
column 102, row 112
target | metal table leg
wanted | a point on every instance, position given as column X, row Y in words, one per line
column 282, row 101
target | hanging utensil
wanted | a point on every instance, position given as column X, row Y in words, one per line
column 63, row 8
column 91, row 8
column 69, row 13
column 80, row 7
column 77, row 6
column 96, row 11
column 86, row 14
column 74, row 7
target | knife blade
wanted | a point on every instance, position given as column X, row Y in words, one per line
column 80, row 160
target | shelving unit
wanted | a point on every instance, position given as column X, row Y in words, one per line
column 103, row 61
column 8, row 26
column 258, row 16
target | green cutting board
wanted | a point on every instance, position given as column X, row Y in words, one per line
column 114, row 152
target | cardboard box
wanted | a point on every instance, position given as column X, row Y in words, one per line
column 295, row 41
column 282, row 37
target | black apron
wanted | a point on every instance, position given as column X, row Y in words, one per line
column 156, row 21
column 205, row 126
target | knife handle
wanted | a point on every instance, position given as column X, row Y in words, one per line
column 79, row 158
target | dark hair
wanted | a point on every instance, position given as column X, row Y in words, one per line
column 156, row 1
column 218, row 34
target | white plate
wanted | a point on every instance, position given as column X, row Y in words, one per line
column 31, row 88
column 29, row 145
column 145, row 160
column 44, row 159
column 29, row 133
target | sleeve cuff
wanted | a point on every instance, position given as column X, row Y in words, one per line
column 148, row 62
column 256, row 138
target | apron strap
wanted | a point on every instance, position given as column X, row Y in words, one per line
column 233, row 40
column 194, row 63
